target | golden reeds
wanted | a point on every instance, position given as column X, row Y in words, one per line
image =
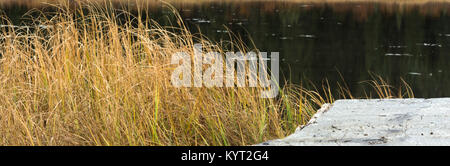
column 87, row 78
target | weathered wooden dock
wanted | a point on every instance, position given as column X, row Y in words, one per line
column 375, row 122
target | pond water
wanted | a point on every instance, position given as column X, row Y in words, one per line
column 321, row 40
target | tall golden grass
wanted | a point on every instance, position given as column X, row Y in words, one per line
column 87, row 78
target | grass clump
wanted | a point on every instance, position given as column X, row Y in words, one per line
column 82, row 76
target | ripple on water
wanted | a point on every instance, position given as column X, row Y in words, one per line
column 397, row 54
column 429, row 44
column 306, row 36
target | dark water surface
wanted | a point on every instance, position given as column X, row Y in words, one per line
column 317, row 40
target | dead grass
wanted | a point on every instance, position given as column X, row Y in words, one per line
column 87, row 79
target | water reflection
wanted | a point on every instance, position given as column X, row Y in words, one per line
column 315, row 40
